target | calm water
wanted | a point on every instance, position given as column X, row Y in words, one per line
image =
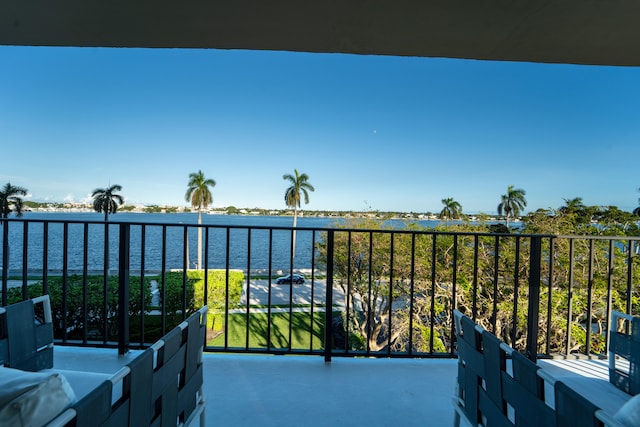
column 248, row 248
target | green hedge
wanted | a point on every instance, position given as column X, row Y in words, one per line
column 216, row 287
column 95, row 306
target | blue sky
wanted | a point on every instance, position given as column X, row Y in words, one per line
column 372, row 132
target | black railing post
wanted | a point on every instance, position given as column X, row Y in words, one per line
column 328, row 313
column 534, row 297
column 123, row 289
column 25, row 259
column 5, row 262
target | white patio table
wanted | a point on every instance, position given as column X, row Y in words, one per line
column 589, row 377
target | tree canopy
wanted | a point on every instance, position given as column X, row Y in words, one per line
column 300, row 187
column 400, row 287
column 10, row 195
column 452, row 209
column 512, row 203
column 198, row 192
column 200, row 196
column 106, row 200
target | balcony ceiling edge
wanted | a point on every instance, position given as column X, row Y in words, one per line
column 569, row 31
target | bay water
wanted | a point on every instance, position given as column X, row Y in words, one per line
column 245, row 242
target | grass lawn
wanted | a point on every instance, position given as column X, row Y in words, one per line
column 304, row 334
column 152, row 327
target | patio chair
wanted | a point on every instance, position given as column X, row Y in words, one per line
column 166, row 380
column 497, row 386
column 624, row 352
column 480, row 364
column 160, row 387
column 572, row 409
column 470, row 369
column 26, row 341
column 522, row 388
column 106, row 405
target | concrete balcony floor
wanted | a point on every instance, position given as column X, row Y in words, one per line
column 263, row 390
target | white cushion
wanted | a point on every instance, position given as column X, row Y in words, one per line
column 81, row 382
column 629, row 414
column 32, row 398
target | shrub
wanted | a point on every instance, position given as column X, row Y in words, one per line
column 194, row 289
column 96, row 309
column 172, row 296
column 216, row 288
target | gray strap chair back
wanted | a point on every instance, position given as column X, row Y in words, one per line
column 498, row 386
column 27, row 342
column 624, row 352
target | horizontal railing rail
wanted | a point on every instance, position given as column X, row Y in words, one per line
column 366, row 292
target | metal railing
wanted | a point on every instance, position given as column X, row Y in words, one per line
column 371, row 292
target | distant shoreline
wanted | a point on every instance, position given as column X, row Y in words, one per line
column 266, row 212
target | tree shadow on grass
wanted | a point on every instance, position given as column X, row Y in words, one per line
column 264, row 332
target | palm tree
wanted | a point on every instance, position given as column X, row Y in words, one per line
column 512, row 203
column 10, row 195
column 299, row 187
column 576, row 211
column 106, row 200
column 452, row 209
column 572, row 206
column 199, row 195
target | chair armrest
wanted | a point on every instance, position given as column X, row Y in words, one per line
column 63, row 419
column 607, row 419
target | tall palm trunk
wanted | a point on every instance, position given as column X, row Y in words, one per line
column 187, row 254
column 199, row 266
column 295, row 220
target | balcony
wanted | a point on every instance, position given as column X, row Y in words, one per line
column 392, row 291
column 266, row 390
column 383, row 298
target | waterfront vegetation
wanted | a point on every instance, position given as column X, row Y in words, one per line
column 400, row 287
column 80, row 300
column 460, row 267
